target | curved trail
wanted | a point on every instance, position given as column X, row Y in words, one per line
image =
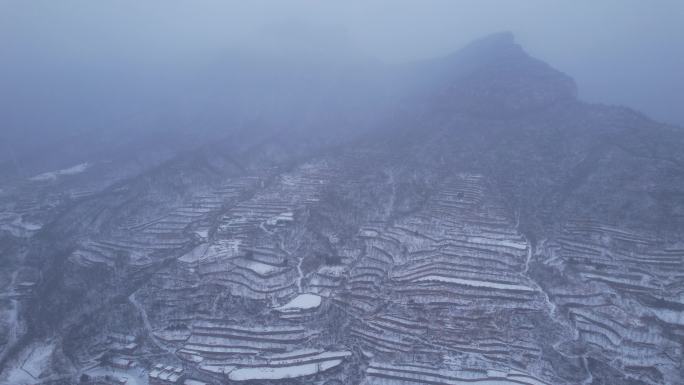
column 146, row 322
column 301, row 274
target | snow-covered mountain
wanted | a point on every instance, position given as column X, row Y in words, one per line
column 460, row 220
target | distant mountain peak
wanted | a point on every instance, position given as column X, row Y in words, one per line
column 494, row 77
column 492, row 43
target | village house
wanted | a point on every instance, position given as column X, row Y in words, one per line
column 166, row 375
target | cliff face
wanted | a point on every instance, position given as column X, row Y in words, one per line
column 489, row 227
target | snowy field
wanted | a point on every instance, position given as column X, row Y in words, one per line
column 53, row 175
column 302, row 302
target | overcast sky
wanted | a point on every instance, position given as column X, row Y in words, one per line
column 627, row 52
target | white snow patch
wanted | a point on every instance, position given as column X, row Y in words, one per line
column 53, row 175
column 32, row 363
column 218, row 369
column 280, row 366
column 302, row 302
column 39, row 360
column 257, row 267
column 194, row 382
column 503, row 243
column 421, row 375
column 670, row 316
column 16, row 376
column 270, row 373
column 195, row 254
column 16, row 225
column 31, row 226
column 280, row 219
column 474, row 283
column 133, row 376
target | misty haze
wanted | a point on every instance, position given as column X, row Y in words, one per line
column 341, row 193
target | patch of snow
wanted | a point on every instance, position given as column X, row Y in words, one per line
column 32, row 363
column 31, row 226
column 15, row 224
column 218, row 369
column 39, row 360
column 670, row 316
column 195, row 254
column 421, row 375
column 368, row 233
column 173, row 335
column 194, row 382
column 53, row 175
column 290, row 368
column 474, row 283
column 280, row 219
column 306, row 352
column 302, row 302
column 503, row 243
column 270, row 373
column 16, row 376
column 257, row 267
column 12, row 319
column 134, row 376
column 28, row 226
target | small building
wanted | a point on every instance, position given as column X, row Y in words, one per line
column 121, row 363
column 125, row 349
column 122, row 343
column 166, row 375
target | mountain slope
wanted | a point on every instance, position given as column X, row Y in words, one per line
column 490, row 227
